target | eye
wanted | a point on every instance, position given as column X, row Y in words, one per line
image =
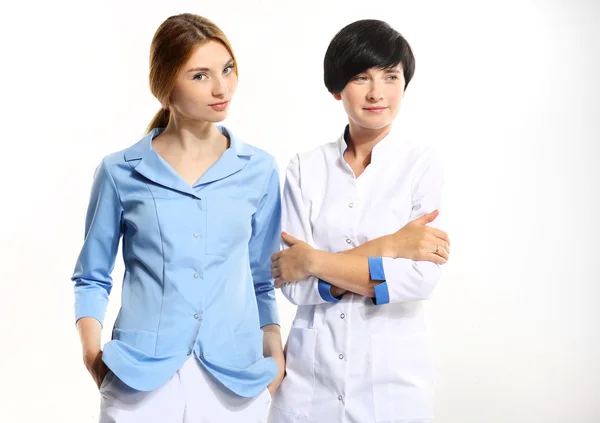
column 392, row 77
column 228, row 69
column 200, row 76
column 361, row 78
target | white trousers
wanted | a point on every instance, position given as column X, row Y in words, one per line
column 190, row 396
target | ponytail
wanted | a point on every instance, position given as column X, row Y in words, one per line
column 160, row 120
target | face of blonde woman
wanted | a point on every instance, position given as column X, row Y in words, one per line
column 205, row 84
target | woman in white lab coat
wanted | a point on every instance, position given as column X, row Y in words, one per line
column 362, row 222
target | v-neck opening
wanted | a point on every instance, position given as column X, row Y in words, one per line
column 181, row 178
column 356, row 178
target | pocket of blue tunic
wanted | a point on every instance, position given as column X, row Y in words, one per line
column 248, row 347
column 228, row 223
column 140, row 340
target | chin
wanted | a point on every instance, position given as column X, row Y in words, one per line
column 374, row 123
column 213, row 117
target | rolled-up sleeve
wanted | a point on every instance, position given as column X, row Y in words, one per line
column 405, row 279
column 103, row 230
column 295, row 221
column 264, row 242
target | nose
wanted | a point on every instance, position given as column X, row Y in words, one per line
column 375, row 92
column 219, row 87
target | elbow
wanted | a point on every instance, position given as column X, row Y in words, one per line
column 428, row 288
column 287, row 289
column 103, row 286
column 369, row 290
column 430, row 274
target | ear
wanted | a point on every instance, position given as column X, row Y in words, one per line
column 337, row 96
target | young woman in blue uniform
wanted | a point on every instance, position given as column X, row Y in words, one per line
column 198, row 212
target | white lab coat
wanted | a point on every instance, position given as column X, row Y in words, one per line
column 353, row 361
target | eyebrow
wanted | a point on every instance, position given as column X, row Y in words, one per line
column 230, row 62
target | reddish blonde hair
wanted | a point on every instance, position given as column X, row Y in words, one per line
column 173, row 44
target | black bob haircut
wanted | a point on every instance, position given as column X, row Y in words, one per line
column 362, row 45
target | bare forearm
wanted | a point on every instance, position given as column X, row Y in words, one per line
column 272, row 347
column 378, row 247
column 347, row 272
column 272, row 344
column 90, row 335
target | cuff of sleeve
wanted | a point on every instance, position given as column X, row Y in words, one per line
column 325, row 292
column 376, row 271
column 382, row 294
column 90, row 306
column 268, row 313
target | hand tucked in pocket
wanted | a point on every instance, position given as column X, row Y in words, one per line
column 96, row 367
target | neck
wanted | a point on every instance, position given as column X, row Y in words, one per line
column 192, row 136
column 361, row 141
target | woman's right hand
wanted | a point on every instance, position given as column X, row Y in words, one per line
column 96, row 367
column 89, row 333
column 419, row 242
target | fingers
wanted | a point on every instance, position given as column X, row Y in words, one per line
column 438, row 246
column 288, row 239
column 276, row 256
column 434, row 258
column 100, row 372
column 427, row 218
column 441, row 235
column 432, row 238
column 279, row 282
column 437, row 242
column 276, row 274
column 442, row 252
column 101, row 377
column 275, row 271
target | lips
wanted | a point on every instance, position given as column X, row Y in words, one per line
column 219, row 106
column 375, row 109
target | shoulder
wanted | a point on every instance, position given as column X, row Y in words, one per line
column 114, row 164
column 314, row 160
column 422, row 156
column 262, row 158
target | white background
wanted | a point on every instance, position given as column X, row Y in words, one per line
column 508, row 93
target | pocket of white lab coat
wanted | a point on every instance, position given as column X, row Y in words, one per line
column 262, row 405
column 296, row 391
column 402, row 377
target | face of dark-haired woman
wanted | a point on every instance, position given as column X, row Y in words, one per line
column 372, row 98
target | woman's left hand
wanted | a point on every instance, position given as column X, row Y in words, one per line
column 272, row 347
column 274, row 386
column 291, row 264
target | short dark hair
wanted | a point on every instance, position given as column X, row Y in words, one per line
column 363, row 45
